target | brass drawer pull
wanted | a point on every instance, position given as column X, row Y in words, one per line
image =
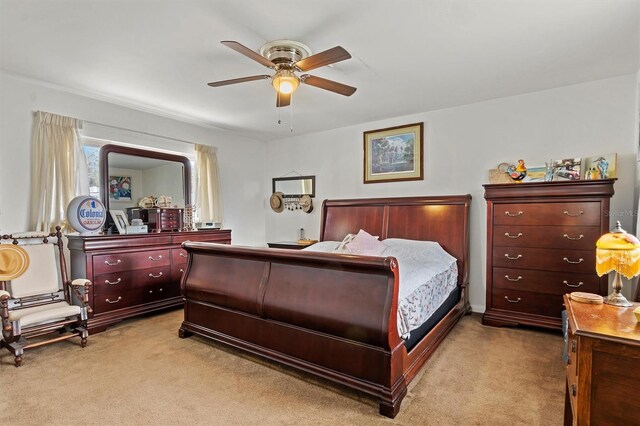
column 155, row 259
column 573, row 214
column 513, row 215
column 115, row 301
column 506, row 234
column 181, row 270
column 573, row 238
column 573, row 285
column 514, row 279
column 512, row 301
column 155, row 276
column 106, row 262
column 183, row 255
column 514, row 258
column 119, row 280
column 573, row 261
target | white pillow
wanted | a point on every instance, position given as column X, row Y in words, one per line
column 366, row 244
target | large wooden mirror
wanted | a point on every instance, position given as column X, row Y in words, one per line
column 129, row 174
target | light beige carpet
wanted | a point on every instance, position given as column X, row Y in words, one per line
column 139, row 372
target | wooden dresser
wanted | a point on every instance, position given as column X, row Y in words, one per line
column 540, row 245
column 603, row 367
column 133, row 274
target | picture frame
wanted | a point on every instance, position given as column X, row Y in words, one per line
column 120, row 188
column 535, row 174
column 568, row 169
column 394, row 154
column 120, row 220
column 598, row 167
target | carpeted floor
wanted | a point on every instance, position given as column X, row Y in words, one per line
column 139, row 372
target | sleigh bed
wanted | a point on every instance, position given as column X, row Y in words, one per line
column 330, row 314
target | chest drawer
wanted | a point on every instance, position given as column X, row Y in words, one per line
column 115, row 282
column 529, row 302
column 129, row 261
column 563, row 214
column 560, row 260
column 544, row 282
column 129, row 297
column 569, row 237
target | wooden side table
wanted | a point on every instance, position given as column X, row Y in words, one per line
column 292, row 245
column 603, row 367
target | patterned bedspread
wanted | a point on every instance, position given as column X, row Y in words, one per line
column 428, row 275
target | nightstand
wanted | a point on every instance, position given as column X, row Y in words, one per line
column 602, row 367
column 292, row 245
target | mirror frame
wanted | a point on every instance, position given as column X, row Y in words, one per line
column 105, row 150
column 313, row 185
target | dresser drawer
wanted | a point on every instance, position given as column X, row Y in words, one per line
column 118, row 300
column 569, row 237
column 128, row 261
column 130, row 280
column 558, row 283
column 561, row 260
column 525, row 301
column 179, row 256
column 564, row 214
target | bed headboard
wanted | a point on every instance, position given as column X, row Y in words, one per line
column 444, row 219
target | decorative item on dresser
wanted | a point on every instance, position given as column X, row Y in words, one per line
column 133, row 274
column 603, row 344
column 163, row 219
column 540, row 244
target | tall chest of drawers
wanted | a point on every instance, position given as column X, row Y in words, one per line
column 540, row 245
column 133, row 274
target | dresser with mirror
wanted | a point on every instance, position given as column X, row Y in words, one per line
column 134, row 274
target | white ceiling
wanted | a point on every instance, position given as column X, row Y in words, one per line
column 408, row 55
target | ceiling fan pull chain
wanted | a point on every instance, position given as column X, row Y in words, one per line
column 279, row 115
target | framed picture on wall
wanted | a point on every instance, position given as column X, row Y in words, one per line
column 394, row 154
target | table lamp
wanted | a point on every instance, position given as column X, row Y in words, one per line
column 620, row 252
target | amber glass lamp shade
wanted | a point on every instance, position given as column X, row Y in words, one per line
column 620, row 252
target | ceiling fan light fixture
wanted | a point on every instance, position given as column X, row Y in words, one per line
column 285, row 82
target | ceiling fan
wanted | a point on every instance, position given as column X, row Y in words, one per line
column 287, row 57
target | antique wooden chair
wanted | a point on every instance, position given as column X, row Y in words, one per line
column 36, row 298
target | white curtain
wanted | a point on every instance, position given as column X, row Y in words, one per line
column 58, row 169
column 208, row 197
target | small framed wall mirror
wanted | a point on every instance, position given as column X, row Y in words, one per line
column 295, row 186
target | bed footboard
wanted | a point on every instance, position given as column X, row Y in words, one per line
column 331, row 315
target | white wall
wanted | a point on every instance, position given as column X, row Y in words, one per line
column 461, row 144
column 241, row 160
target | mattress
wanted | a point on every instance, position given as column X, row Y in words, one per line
column 428, row 275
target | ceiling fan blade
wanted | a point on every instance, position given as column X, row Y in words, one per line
column 238, row 80
column 282, row 100
column 331, row 56
column 332, row 86
column 240, row 48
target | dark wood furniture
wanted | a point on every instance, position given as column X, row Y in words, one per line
column 541, row 244
column 161, row 219
column 133, row 274
column 603, row 368
column 292, row 245
column 329, row 314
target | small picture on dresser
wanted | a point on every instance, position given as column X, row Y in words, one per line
column 568, row 169
column 600, row 167
column 120, row 220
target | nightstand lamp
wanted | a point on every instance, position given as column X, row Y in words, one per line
column 620, row 252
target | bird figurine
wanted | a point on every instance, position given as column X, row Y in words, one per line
column 517, row 173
